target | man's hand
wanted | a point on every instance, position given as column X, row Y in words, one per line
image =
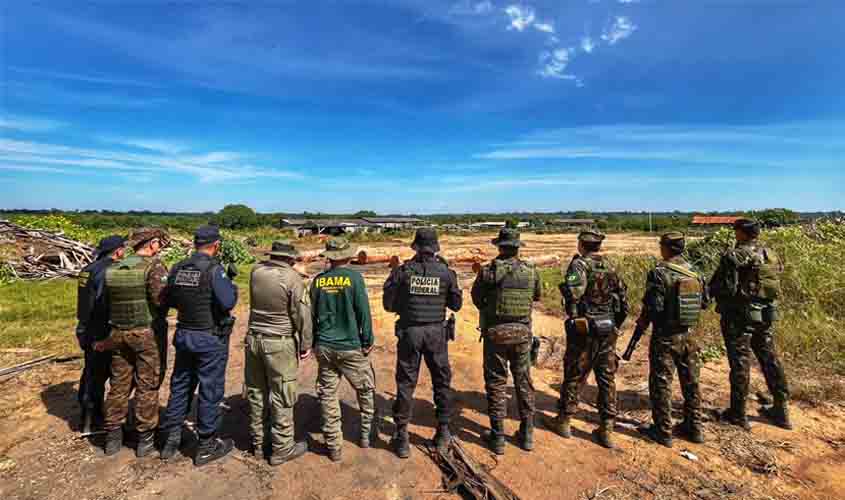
column 367, row 350
column 305, row 355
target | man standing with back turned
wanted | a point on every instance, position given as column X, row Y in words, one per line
column 504, row 292
column 596, row 304
column 204, row 295
column 343, row 335
column 93, row 326
column 746, row 287
column 279, row 337
column 420, row 290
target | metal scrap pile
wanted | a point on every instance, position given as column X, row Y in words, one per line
column 41, row 254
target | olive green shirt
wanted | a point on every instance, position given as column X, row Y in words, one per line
column 279, row 305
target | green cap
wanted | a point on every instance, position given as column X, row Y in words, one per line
column 508, row 237
column 338, row 249
column 590, row 236
column 283, row 248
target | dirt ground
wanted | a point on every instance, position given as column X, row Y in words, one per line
column 41, row 456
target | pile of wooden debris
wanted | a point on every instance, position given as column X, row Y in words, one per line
column 41, row 254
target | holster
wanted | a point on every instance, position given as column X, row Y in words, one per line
column 509, row 334
column 225, row 327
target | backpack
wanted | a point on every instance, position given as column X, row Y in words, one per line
column 759, row 278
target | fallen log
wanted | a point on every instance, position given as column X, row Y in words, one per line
column 465, row 475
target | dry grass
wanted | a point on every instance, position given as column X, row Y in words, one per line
column 758, row 455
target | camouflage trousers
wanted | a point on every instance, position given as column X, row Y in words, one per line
column 270, row 373
column 666, row 354
column 497, row 359
column 585, row 354
column 356, row 369
column 741, row 339
column 135, row 359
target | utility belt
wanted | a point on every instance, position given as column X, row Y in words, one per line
column 509, row 334
column 448, row 326
column 597, row 325
column 222, row 329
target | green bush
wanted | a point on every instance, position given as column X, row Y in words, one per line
column 233, row 251
column 61, row 224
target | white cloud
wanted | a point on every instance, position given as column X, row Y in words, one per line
column 553, row 64
column 209, row 167
column 29, row 124
column 544, row 27
column 621, row 29
column 587, row 44
column 471, row 8
column 521, row 16
column 629, row 1
column 159, row 145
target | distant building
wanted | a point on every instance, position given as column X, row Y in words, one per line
column 395, row 223
column 574, row 223
column 488, row 225
column 714, row 220
column 335, row 227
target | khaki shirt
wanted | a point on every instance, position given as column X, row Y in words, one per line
column 279, row 305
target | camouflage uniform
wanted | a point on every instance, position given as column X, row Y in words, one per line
column 499, row 357
column 136, row 357
column 279, row 331
column 743, row 336
column 592, row 291
column 672, row 345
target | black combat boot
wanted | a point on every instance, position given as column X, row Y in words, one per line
column 778, row 415
column 170, row 442
column 443, row 438
column 146, row 444
column 114, row 441
column 400, row 443
column 692, row 432
column 604, row 433
column 560, row 426
column 653, row 433
column 297, row 451
column 526, row 433
column 496, row 437
column 211, row 448
column 733, row 417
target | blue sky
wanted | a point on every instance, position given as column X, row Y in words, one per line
column 423, row 106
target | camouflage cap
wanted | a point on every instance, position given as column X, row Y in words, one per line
column 508, row 237
column 590, row 236
column 145, row 234
column 747, row 225
column 338, row 249
column 283, row 248
column 672, row 238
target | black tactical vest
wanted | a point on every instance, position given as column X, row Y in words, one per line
column 88, row 311
column 425, row 285
column 189, row 291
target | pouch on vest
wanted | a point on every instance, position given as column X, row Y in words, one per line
column 581, row 326
column 509, row 334
column 754, row 313
column 602, row 325
column 686, row 296
column 759, row 280
column 514, row 290
column 771, row 314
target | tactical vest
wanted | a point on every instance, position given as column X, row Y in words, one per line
column 189, row 291
column 515, row 281
column 758, row 277
column 90, row 312
column 602, row 287
column 126, row 282
column 423, row 293
column 683, row 296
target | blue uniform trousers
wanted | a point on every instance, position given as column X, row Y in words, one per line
column 200, row 359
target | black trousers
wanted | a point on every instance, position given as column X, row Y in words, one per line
column 416, row 343
column 92, row 383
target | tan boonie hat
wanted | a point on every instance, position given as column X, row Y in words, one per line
column 145, row 234
column 338, row 249
column 590, row 236
column 283, row 248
